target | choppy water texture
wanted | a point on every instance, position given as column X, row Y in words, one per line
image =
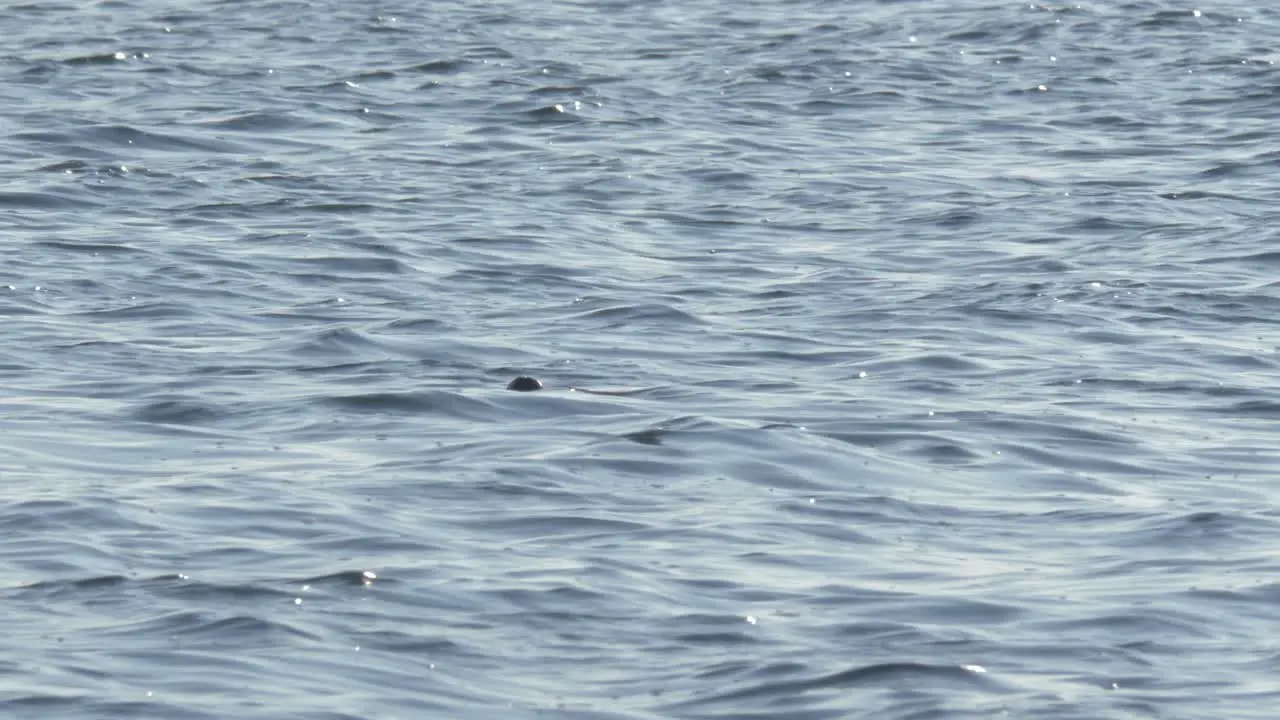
column 943, row 335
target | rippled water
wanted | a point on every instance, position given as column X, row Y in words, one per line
column 902, row 359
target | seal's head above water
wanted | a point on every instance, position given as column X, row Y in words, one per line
column 524, row 383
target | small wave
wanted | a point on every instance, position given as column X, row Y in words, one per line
column 179, row 411
column 649, row 313
column 900, row 675
column 19, row 200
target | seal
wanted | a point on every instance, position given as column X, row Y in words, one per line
column 524, row 383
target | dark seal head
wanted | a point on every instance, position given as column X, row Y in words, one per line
column 524, row 383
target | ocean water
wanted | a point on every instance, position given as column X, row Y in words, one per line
column 902, row 360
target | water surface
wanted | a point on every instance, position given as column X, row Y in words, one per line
column 937, row 342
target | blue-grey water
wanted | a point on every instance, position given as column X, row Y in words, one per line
column 902, row 360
